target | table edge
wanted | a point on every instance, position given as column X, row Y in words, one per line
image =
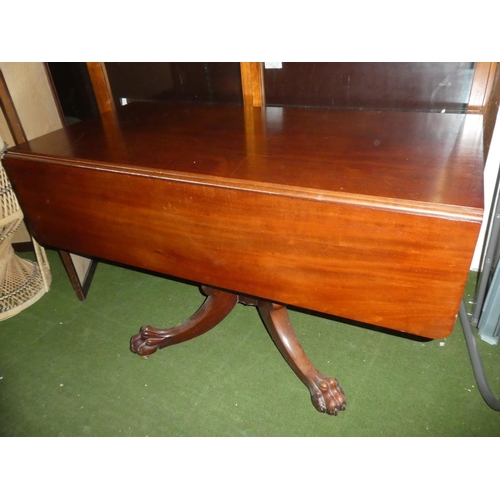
column 452, row 212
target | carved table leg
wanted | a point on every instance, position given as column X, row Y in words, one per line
column 326, row 394
column 216, row 307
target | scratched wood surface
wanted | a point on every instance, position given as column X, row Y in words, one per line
column 371, row 216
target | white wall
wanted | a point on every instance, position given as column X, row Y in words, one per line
column 490, row 175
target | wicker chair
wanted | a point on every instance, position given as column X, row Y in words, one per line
column 22, row 282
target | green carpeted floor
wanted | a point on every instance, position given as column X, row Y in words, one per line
column 66, row 370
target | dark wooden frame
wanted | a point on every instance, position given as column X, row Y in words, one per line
column 252, row 78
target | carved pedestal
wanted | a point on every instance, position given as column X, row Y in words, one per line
column 326, row 394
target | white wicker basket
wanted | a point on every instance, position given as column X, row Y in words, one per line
column 22, row 282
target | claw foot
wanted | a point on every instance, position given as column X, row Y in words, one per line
column 327, row 396
column 216, row 307
column 144, row 343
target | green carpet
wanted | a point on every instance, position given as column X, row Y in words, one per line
column 66, row 370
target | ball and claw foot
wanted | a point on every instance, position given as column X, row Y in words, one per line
column 144, row 343
column 217, row 305
column 327, row 396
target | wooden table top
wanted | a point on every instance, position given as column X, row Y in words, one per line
column 367, row 215
column 408, row 160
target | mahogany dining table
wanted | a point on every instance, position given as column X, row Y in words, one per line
column 367, row 215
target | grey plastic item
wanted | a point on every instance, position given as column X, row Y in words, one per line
column 477, row 364
column 489, row 324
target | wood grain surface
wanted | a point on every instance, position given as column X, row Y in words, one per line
column 371, row 216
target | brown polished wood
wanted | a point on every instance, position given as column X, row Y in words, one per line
column 326, row 394
column 490, row 109
column 81, row 287
column 482, row 86
column 100, row 84
column 375, row 214
column 367, row 215
column 252, row 81
column 215, row 308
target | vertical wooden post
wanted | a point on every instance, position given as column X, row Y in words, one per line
column 252, row 81
column 102, row 89
column 482, row 86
